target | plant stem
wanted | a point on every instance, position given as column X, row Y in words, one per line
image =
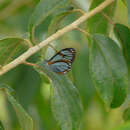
column 108, row 18
column 83, row 31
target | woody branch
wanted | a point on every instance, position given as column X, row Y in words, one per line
column 21, row 59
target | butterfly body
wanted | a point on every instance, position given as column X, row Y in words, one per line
column 61, row 62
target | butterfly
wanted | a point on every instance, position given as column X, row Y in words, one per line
column 62, row 61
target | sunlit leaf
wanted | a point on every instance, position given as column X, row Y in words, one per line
column 119, row 15
column 65, row 100
column 108, row 70
column 24, row 119
column 125, row 126
column 42, row 10
column 98, row 23
column 124, row 1
column 128, row 6
column 10, row 48
column 82, row 4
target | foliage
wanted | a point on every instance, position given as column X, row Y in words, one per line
column 36, row 98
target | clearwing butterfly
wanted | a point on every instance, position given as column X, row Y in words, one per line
column 62, row 61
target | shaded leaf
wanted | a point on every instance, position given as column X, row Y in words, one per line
column 44, row 110
column 65, row 100
column 42, row 11
column 108, row 70
column 4, row 4
column 82, row 78
column 24, row 119
column 56, row 21
column 126, row 114
column 10, row 48
column 1, row 126
column 123, row 34
column 29, row 85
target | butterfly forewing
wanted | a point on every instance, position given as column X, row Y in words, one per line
column 62, row 61
column 66, row 54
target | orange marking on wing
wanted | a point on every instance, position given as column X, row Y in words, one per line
column 61, row 72
column 50, row 62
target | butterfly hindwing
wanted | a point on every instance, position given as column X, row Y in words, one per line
column 62, row 61
column 61, row 67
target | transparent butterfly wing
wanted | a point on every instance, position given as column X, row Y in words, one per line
column 64, row 54
column 60, row 67
column 62, row 61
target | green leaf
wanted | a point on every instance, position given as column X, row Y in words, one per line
column 126, row 114
column 45, row 112
column 1, row 126
column 24, row 119
column 82, row 78
column 125, row 126
column 4, row 4
column 108, row 70
column 119, row 15
column 124, row 1
column 65, row 100
column 56, row 21
column 10, row 48
column 29, row 85
column 42, row 11
column 98, row 23
column 128, row 6
column 123, row 34
column 82, row 4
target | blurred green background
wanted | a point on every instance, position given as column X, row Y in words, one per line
column 33, row 90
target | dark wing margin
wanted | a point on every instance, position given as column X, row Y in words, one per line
column 61, row 62
column 66, row 54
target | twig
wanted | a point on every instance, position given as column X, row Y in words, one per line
column 28, row 43
column 53, row 47
column 79, row 10
column 108, row 18
column 30, row 64
column 34, row 65
column 83, row 31
column 53, row 37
